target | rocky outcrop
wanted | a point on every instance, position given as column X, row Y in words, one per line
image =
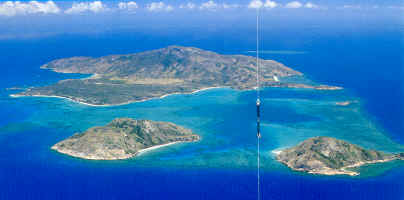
column 330, row 156
column 123, row 138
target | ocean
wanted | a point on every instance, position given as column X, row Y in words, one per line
column 222, row 165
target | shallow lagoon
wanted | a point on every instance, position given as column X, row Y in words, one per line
column 222, row 163
column 225, row 119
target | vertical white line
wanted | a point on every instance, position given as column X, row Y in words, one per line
column 258, row 169
column 257, row 55
column 258, row 96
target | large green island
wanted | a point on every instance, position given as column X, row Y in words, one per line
column 123, row 138
column 330, row 156
column 122, row 79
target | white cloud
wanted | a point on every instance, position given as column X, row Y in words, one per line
column 259, row 4
column 270, row 4
column 159, row 6
column 169, row 8
column 190, row 6
column 255, row 4
column 294, row 4
column 95, row 7
column 130, row 6
column 10, row 8
column 210, row 5
column 311, row 5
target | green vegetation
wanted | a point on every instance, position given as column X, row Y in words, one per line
column 120, row 79
column 123, row 138
column 330, row 156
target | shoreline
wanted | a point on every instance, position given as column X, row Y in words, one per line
column 276, row 152
column 110, row 105
column 147, row 99
column 142, row 151
column 333, row 172
column 138, row 153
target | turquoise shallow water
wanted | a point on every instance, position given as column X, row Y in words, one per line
column 225, row 119
column 222, row 165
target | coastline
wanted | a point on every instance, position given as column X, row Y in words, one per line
column 151, row 98
column 88, row 157
column 276, row 152
column 142, row 151
column 108, row 105
column 332, row 172
column 60, row 97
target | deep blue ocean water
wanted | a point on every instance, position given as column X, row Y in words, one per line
column 221, row 166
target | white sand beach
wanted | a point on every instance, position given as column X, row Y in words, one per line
column 107, row 105
column 154, row 147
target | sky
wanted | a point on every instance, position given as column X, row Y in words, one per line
column 28, row 19
column 15, row 8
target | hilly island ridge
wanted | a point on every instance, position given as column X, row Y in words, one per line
column 330, row 156
column 123, row 138
column 122, row 79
